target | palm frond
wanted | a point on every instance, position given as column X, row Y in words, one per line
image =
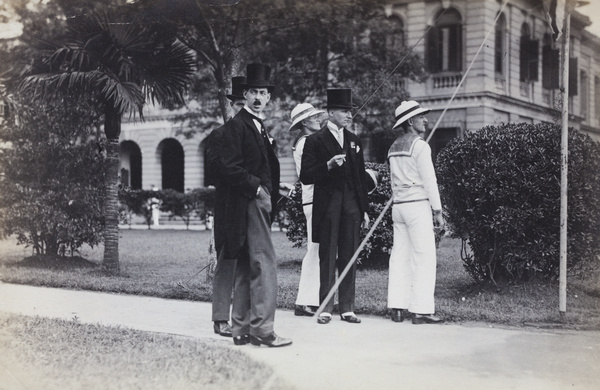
column 123, row 62
column 47, row 86
column 124, row 96
column 168, row 75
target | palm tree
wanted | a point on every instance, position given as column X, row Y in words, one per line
column 122, row 64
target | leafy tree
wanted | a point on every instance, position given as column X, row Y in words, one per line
column 311, row 45
column 500, row 188
column 123, row 64
column 52, row 178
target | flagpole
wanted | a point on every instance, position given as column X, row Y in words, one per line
column 564, row 162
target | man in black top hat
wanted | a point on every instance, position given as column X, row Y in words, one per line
column 225, row 268
column 250, row 190
column 333, row 161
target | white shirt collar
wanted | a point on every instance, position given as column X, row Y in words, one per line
column 337, row 132
column 333, row 127
column 254, row 113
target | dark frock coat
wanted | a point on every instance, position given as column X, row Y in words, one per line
column 243, row 157
column 319, row 148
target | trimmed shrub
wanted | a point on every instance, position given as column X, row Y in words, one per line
column 500, row 188
column 197, row 203
column 376, row 252
column 137, row 202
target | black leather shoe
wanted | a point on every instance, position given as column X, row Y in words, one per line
column 399, row 315
column 241, row 340
column 271, row 340
column 302, row 310
column 350, row 318
column 222, row 328
column 323, row 319
column 419, row 319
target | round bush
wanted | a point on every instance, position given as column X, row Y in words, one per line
column 376, row 252
column 500, row 188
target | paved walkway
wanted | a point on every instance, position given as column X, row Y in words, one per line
column 377, row 354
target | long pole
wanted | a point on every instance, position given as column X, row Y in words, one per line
column 564, row 161
column 389, row 203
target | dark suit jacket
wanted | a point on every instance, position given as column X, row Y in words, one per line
column 319, row 148
column 214, row 171
column 244, row 163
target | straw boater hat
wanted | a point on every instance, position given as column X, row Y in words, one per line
column 257, row 76
column 406, row 110
column 237, row 92
column 301, row 112
column 340, row 98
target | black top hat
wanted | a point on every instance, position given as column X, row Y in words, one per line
column 237, row 92
column 340, row 98
column 257, row 76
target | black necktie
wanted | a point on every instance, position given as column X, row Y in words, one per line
column 263, row 132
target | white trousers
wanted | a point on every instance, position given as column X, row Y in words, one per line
column 308, row 288
column 413, row 259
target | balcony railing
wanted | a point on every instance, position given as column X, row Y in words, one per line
column 446, row 80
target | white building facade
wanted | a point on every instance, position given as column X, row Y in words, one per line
column 514, row 78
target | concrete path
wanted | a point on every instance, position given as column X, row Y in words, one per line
column 377, row 354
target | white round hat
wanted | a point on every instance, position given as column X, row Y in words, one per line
column 301, row 112
column 406, row 110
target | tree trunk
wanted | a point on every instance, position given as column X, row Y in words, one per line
column 112, row 129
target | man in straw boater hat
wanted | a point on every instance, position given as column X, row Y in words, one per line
column 225, row 268
column 415, row 194
column 306, row 119
column 250, row 178
column 333, row 161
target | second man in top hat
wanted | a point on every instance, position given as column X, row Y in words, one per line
column 333, row 161
column 225, row 268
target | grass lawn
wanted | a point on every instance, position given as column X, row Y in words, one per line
column 41, row 353
column 166, row 263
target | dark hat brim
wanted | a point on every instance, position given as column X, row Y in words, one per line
column 235, row 97
column 269, row 87
column 346, row 107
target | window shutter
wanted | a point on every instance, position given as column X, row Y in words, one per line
column 523, row 59
column 499, row 50
column 455, row 48
column 550, row 67
column 433, row 53
column 533, row 49
column 573, row 70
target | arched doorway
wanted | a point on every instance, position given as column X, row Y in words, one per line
column 130, row 156
column 172, row 164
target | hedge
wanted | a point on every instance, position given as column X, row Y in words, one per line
column 500, row 188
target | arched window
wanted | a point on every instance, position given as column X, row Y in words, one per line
column 387, row 37
column 445, row 43
column 131, row 165
column 172, row 164
column 500, row 45
column 528, row 55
